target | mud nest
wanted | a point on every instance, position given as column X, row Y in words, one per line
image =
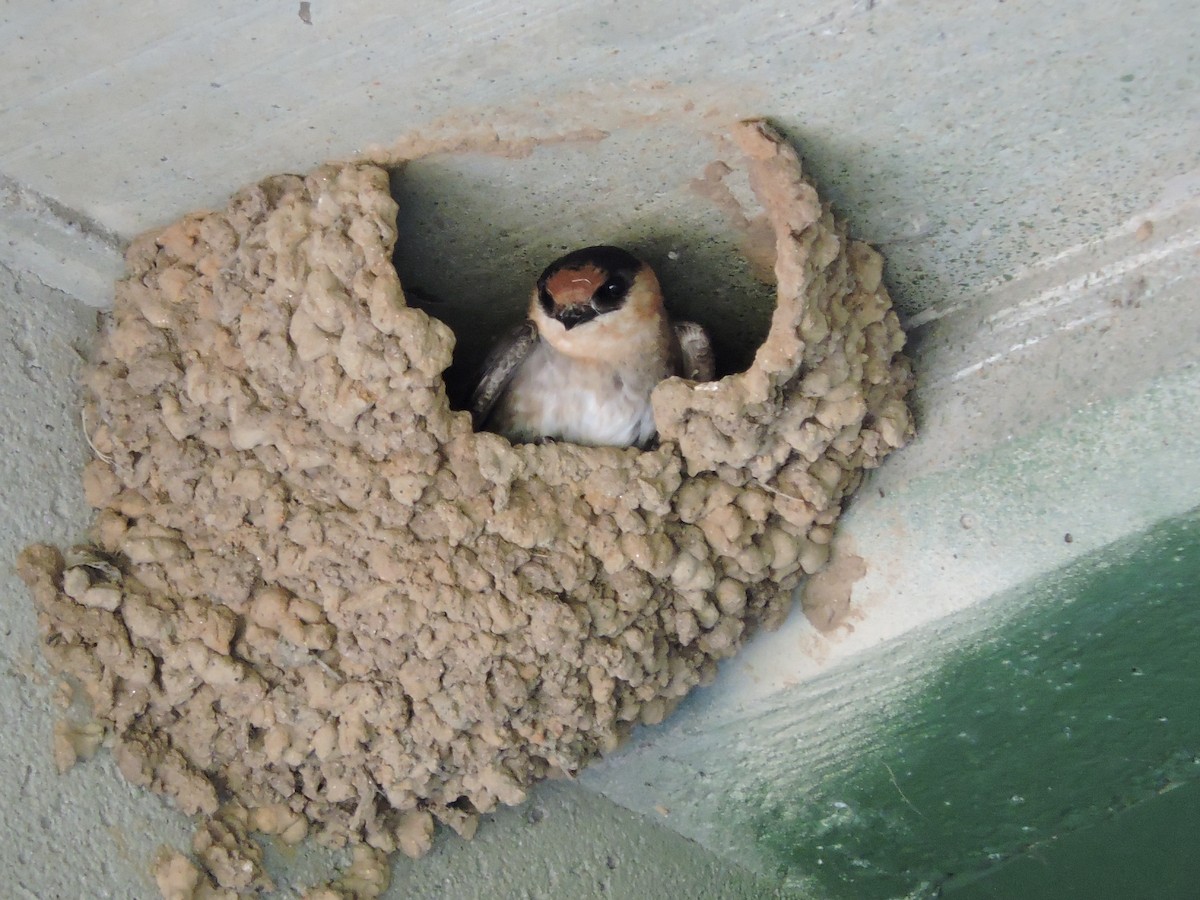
column 314, row 591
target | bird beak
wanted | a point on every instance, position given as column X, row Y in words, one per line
column 576, row 314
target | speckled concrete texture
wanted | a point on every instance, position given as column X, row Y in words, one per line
column 568, row 843
column 90, row 812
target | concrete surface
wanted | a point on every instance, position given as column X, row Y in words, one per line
column 1032, row 172
column 90, row 815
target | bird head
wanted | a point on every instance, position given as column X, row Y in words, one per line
column 592, row 301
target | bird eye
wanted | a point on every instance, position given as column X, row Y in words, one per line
column 610, row 294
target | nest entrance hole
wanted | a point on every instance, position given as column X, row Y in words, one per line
column 474, row 231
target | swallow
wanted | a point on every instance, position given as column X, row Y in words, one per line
column 582, row 366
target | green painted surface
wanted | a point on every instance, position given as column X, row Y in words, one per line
column 1147, row 852
column 1083, row 702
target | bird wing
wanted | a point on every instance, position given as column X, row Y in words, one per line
column 696, row 352
column 499, row 367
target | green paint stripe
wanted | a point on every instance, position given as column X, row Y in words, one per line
column 1083, row 703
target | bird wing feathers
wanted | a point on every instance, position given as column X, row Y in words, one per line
column 696, row 363
column 696, row 352
column 499, row 367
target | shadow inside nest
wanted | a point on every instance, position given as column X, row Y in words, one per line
column 470, row 247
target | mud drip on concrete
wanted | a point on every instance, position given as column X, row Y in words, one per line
column 316, row 602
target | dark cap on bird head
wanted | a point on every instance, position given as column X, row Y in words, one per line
column 585, row 283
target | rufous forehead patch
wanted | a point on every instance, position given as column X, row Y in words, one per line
column 574, row 285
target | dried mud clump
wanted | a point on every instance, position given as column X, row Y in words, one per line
column 313, row 592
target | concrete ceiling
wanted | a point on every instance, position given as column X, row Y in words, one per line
column 967, row 140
